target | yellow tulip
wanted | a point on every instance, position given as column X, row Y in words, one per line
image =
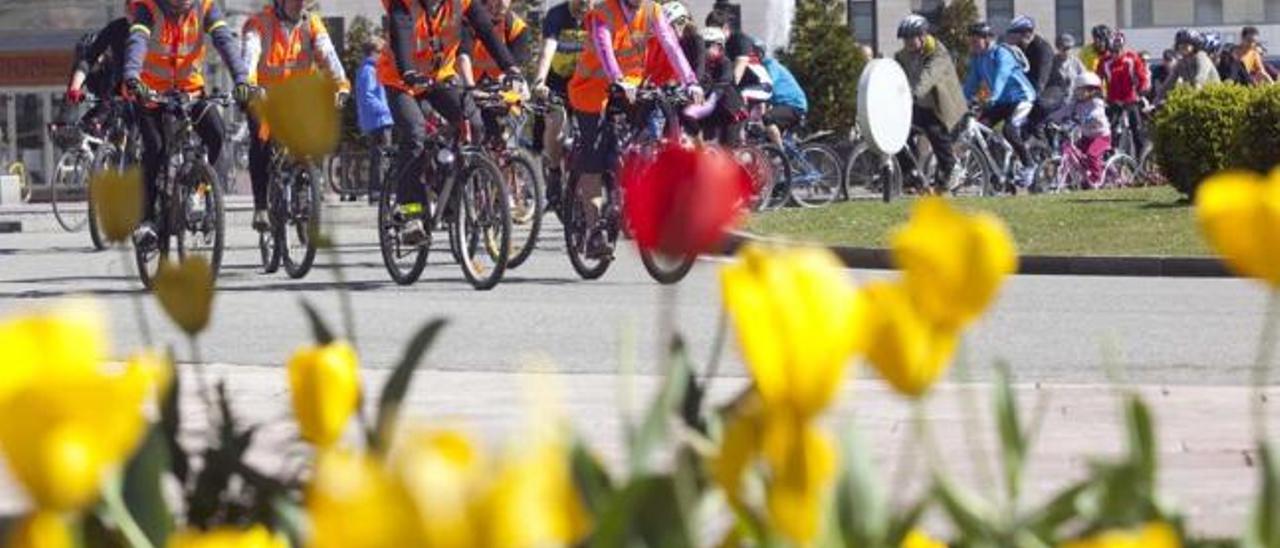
column 117, row 202
column 185, row 291
column 795, row 311
column 443, row 471
column 324, row 383
column 354, row 502
column 910, row 352
column 1239, row 215
column 919, row 539
column 66, row 339
column 1151, row 535
column 256, row 536
column 953, row 262
column 41, row 530
column 302, row 116
column 534, row 501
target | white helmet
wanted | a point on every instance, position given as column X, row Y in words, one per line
column 1088, row 79
column 674, row 11
column 713, row 35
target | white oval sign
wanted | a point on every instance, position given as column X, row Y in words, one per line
column 884, row 106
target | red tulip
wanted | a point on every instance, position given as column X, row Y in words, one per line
column 682, row 199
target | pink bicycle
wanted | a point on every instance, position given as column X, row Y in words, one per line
column 1067, row 170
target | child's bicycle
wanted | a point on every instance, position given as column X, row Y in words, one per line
column 1067, row 171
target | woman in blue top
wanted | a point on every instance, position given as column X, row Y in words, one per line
column 788, row 104
column 998, row 83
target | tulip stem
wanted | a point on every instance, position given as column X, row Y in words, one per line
column 666, row 324
column 924, row 436
column 340, row 276
column 970, row 412
column 717, row 349
column 119, row 513
column 1262, row 366
column 202, row 383
column 143, row 325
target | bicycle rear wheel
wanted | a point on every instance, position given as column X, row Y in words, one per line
column 148, row 260
column 865, row 174
column 404, row 263
column 301, row 224
column 780, row 171
column 107, row 159
column 201, row 223
column 524, row 186
column 482, row 223
column 577, row 232
column 68, row 188
column 817, row 179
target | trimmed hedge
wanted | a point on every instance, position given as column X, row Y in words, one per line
column 1200, row 132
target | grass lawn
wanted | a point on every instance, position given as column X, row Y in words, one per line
column 1139, row 222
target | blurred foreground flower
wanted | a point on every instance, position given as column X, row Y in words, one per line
column 682, row 199
column 909, row 351
column 443, row 472
column 324, row 383
column 41, row 530
column 69, row 420
column 1151, row 535
column 1239, row 214
column 117, row 202
column 301, row 115
column 796, row 315
column 953, row 263
column 256, row 536
column 534, row 501
column 919, row 539
column 354, row 502
column 185, row 291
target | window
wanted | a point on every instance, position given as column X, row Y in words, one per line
column 1208, row 12
column 999, row 14
column 1142, row 16
column 1273, row 11
column 928, row 6
column 862, row 19
column 1070, row 17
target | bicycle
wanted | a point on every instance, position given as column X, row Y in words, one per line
column 1067, row 171
column 468, row 199
column 555, row 105
column 810, row 168
column 520, row 173
column 188, row 202
column 70, row 181
column 884, row 177
column 119, row 149
column 294, row 206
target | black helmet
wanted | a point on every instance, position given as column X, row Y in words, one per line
column 1189, row 37
column 913, row 26
column 1102, row 33
column 981, row 28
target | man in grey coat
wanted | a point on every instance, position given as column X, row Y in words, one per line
column 939, row 99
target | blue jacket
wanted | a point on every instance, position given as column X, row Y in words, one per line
column 786, row 90
column 1001, row 73
column 372, row 112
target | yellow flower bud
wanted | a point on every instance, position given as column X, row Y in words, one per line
column 301, row 115
column 919, row 539
column 910, row 352
column 117, row 202
column 256, row 536
column 324, row 383
column 1239, row 215
column 1151, row 535
column 354, row 501
column 185, row 292
column 41, row 530
column 953, row 263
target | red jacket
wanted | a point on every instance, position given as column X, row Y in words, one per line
column 1125, row 76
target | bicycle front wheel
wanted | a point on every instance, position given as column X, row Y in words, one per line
column 301, row 225
column 975, row 173
column 482, row 222
column 866, row 174
column 1121, row 171
column 665, row 269
column 69, row 190
column 524, row 187
column 817, row 178
column 108, row 159
column 200, row 220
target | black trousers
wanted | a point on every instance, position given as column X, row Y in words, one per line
column 259, row 163
column 939, row 140
column 1136, row 125
column 155, row 149
column 410, row 115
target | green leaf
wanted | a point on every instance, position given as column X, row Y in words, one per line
column 319, row 330
column 290, row 518
column 1062, row 508
column 654, row 429
column 646, row 512
column 1012, row 443
column 971, row 515
column 94, row 532
column 592, row 480
column 171, row 425
column 901, row 525
column 393, row 392
column 1264, row 524
column 1142, row 444
column 143, row 492
column 860, row 505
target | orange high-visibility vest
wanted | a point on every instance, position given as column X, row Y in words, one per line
column 437, row 40
column 175, row 50
column 285, row 50
column 589, row 88
column 483, row 65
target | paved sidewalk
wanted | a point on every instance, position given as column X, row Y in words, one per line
column 1205, row 450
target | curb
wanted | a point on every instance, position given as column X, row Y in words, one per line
column 1041, row 265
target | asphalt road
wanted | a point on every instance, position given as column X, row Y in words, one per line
column 1050, row 329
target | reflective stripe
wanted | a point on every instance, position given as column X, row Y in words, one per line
column 175, row 55
column 482, row 62
column 140, row 28
column 629, row 55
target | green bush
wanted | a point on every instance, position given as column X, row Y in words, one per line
column 1260, row 147
column 826, row 59
column 952, row 28
column 1199, row 132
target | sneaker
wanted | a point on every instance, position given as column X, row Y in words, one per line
column 261, row 220
column 598, row 246
column 1027, row 177
column 414, row 233
column 144, row 237
column 955, row 179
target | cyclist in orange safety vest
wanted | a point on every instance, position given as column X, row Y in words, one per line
column 165, row 53
column 614, row 59
column 420, row 69
column 282, row 40
column 513, row 30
